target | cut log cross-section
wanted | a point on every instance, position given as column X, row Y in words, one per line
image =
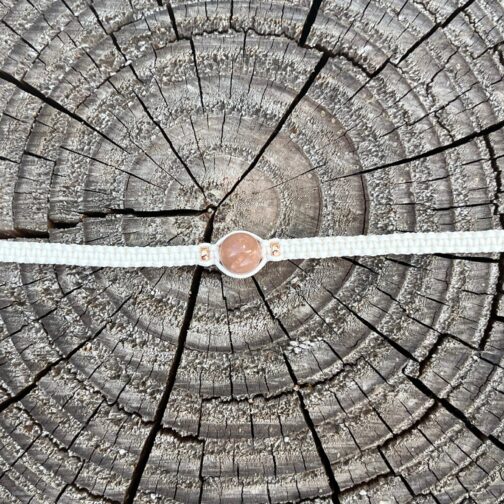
column 353, row 380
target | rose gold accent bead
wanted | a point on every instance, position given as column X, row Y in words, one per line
column 275, row 249
column 204, row 253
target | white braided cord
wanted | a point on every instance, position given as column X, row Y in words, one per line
column 98, row 255
column 458, row 242
column 462, row 242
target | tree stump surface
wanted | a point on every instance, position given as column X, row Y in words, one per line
column 354, row 380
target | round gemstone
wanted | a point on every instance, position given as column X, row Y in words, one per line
column 240, row 253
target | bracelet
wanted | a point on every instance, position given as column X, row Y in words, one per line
column 241, row 254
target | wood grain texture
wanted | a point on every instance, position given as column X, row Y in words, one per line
column 354, row 380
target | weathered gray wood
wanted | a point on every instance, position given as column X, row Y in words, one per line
column 348, row 380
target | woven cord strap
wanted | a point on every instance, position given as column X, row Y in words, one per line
column 298, row 248
column 459, row 242
column 98, row 255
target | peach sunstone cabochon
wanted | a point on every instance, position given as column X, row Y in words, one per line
column 240, row 253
